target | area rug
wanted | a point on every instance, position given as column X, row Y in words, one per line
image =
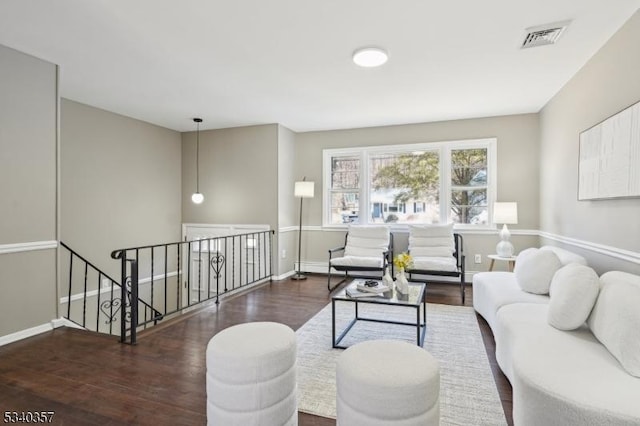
column 468, row 394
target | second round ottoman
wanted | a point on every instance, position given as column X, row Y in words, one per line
column 387, row 382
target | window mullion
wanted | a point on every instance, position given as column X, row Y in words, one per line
column 445, row 184
column 365, row 185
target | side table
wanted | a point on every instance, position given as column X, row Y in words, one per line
column 494, row 257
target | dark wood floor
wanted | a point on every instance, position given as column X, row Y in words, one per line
column 88, row 379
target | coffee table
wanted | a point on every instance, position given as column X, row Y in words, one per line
column 415, row 299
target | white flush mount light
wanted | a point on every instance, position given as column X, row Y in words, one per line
column 369, row 57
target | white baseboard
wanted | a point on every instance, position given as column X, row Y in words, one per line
column 284, row 276
column 63, row 322
column 24, row 334
column 38, row 329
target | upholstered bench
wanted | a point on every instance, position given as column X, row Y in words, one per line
column 387, row 382
column 251, row 376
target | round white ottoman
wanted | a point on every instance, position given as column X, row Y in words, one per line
column 387, row 382
column 251, row 376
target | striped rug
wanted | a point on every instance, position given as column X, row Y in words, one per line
column 468, row 395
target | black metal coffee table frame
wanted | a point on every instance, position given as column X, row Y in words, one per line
column 415, row 299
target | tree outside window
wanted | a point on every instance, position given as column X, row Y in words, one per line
column 469, row 186
column 405, row 180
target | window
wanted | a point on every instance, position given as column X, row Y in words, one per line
column 403, row 184
column 469, row 186
column 344, row 189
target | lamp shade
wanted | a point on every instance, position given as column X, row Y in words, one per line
column 506, row 213
column 303, row 189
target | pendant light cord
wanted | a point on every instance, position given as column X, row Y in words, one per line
column 197, row 157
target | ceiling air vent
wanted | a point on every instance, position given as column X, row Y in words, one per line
column 544, row 34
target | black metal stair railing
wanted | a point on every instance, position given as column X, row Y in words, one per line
column 214, row 267
column 93, row 299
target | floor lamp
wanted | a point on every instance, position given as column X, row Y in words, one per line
column 302, row 189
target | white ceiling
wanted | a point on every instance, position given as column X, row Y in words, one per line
column 244, row 62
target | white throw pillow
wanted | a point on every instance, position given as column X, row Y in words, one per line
column 573, row 290
column 522, row 256
column 535, row 270
column 615, row 319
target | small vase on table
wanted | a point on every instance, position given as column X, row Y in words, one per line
column 401, row 282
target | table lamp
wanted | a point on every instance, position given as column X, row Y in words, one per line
column 505, row 213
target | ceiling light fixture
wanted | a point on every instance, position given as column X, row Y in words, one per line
column 369, row 57
column 197, row 197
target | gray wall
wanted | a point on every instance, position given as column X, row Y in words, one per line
column 518, row 173
column 238, row 176
column 28, row 176
column 120, row 183
column 606, row 84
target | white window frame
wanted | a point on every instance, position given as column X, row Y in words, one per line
column 443, row 148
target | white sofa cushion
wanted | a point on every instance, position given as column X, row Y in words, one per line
column 566, row 257
column 447, row 264
column 431, row 231
column 535, row 269
column 561, row 377
column 363, row 261
column 573, row 291
column 615, row 319
column 492, row 290
column 367, row 241
column 436, row 251
column 431, row 240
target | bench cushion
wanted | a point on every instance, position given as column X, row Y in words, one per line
column 367, row 241
column 431, row 241
column 359, row 261
column 447, row 264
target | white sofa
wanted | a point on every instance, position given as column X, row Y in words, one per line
column 586, row 376
column 492, row 290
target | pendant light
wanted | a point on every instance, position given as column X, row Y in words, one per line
column 197, row 197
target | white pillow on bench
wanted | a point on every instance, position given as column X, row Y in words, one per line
column 431, row 241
